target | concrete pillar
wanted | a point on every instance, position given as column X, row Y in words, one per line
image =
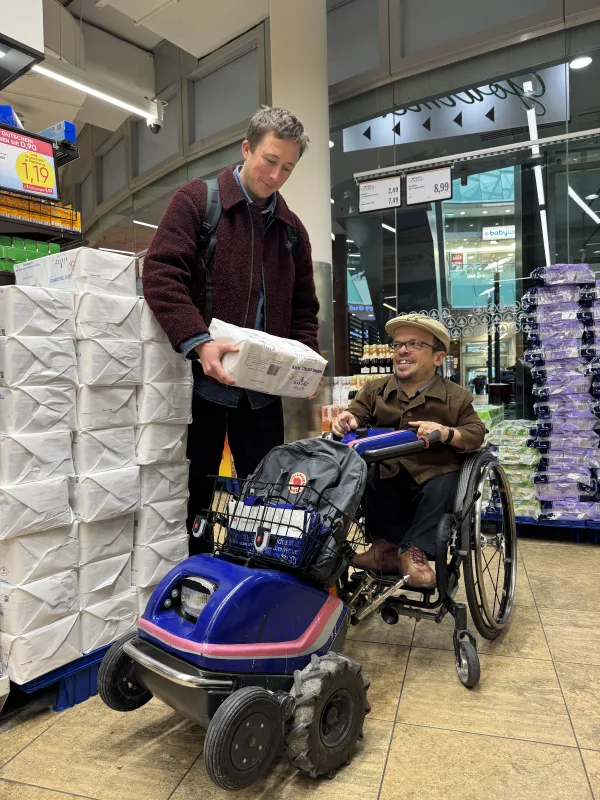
column 298, row 64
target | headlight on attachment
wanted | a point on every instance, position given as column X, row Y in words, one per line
column 195, row 594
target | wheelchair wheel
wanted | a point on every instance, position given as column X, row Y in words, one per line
column 467, row 665
column 489, row 536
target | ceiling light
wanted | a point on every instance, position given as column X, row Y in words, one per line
column 349, row 241
column 391, row 308
column 533, row 131
column 2, row 53
column 544, row 223
column 580, row 63
column 507, row 211
column 388, row 227
column 145, row 224
column 582, row 204
column 330, row 143
column 371, row 315
column 332, row 237
column 353, row 255
column 591, row 197
column 110, row 250
column 332, row 201
column 465, row 240
column 447, row 226
column 539, row 181
column 472, row 225
column 462, row 213
column 527, row 87
column 484, row 212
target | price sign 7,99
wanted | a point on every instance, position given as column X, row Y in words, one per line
column 429, row 186
column 379, row 194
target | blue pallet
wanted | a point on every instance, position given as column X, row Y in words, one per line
column 76, row 682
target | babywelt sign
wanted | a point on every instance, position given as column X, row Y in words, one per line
column 27, row 164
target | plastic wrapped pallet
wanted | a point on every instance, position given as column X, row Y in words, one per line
column 102, row 407
column 26, row 559
column 101, row 316
column 35, row 605
column 31, row 311
column 160, row 442
column 29, row 655
column 101, row 580
column 27, row 457
column 163, row 520
column 104, row 622
column 143, row 595
column 152, row 562
column 99, row 451
column 165, row 402
column 105, row 539
column 267, row 363
column 105, row 495
column 32, row 507
column 109, row 362
column 161, row 482
column 37, row 409
column 34, row 360
column 150, row 330
column 81, row 270
column 161, row 364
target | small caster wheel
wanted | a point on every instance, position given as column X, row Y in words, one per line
column 467, row 664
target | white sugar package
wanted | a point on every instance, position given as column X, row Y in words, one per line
column 31, row 360
column 35, row 605
column 164, row 481
column 32, row 507
column 161, row 364
column 143, row 595
column 101, row 316
column 150, row 330
column 270, row 364
column 99, row 451
column 164, row 520
column 104, row 495
column 101, row 407
column 153, row 561
column 26, row 559
column 160, row 442
column 104, row 622
column 37, row 409
column 32, row 311
column 27, row 457
column 165, row 402
column 105, row 539
column 109, row 362
column 32, row 654
column 101, row 580
column 82, row 269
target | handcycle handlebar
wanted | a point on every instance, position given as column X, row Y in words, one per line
column 399, row 450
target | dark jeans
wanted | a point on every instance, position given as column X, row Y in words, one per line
column 252, row 434
column 405, row 512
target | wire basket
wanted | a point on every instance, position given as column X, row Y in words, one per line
column 281, row 526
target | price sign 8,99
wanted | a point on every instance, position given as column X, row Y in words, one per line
column 429, row 186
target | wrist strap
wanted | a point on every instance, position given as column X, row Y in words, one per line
column 450, row 435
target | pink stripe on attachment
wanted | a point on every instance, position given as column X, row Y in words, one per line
column 263, row 649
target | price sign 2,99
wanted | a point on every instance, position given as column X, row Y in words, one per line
column 379, row 194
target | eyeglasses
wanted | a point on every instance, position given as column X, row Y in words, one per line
column 412, row 345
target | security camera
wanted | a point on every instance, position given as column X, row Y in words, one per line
column 155, row 124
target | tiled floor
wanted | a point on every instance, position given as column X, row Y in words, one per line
column 530, row 729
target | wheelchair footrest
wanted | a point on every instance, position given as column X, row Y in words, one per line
column 389, row 578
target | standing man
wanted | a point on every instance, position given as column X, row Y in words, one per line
column 260, row 275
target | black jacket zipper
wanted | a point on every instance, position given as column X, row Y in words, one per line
column 251, row 265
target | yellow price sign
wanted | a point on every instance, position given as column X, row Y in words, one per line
column 35, row 172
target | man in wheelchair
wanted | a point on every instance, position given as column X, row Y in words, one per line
column 406, row 497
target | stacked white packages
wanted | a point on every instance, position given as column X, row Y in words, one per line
column 164, row 405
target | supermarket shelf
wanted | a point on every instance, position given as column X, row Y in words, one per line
column 9, row 226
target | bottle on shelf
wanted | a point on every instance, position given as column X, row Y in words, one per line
column 383, row 365
column 374, row 360
column 365, row 366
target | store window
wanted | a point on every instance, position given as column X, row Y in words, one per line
column 352, row 38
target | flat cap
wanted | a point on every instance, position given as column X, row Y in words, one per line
column 420, row 321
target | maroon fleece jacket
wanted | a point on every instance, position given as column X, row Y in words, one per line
column 245, row 257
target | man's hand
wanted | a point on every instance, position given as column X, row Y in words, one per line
column 344, row 423
column 210, row 355
column 425, row 428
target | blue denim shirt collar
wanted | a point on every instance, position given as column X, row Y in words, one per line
column 269, row 208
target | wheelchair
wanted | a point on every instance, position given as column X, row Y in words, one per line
column 478, row 538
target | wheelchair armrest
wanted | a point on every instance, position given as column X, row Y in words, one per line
column 400, row 450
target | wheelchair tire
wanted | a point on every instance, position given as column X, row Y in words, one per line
column 490, row 601
column 331, row 704
column 467, row 665
column 116, row 683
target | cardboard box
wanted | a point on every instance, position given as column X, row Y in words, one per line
column 104, row 622
column 161, row 482
column 105, row 539
column 27, row 457
column 160, row 442
column 152, row 562
column 26, row 559
column 157, row 521
column 34, row 360
column 100, row 316
column 150, row 330
column 32, row 654
column 34, row 605
column 109, row 362
column 269, row 364
column 99, row 451
column 32, row 507
column 101, row 580
column 81, row 270
column 105, row 495
column 103, row 407
column 161, row 364
column 165, row 402
column 31, row 311
column 37, row 409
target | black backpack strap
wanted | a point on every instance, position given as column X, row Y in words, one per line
column 292, row 237
column 208, row 236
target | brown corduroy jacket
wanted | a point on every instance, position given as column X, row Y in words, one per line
column 442, row 401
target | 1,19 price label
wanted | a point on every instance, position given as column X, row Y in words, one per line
column 379, row 194
column 429, row 186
